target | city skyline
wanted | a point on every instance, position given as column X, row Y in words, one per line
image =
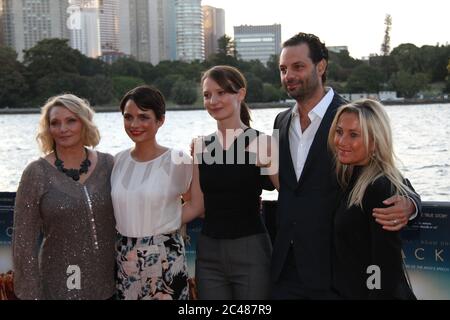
column 358, row 24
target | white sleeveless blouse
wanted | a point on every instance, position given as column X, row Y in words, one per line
column 146, row 195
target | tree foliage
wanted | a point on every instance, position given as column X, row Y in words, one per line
column 51, row 67
column 13, row 85
column 364, row 78
column 407, row 84
column 123, row 84
column 386, row 45
column 255, row 88
column 184, row 92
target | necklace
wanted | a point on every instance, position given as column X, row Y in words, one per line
column 73, row 173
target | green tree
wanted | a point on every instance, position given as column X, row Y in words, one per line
column 52, row 56
column 386, row 45
column 447, row 87
column 184, row 92
column 148, row 72
column 273, row 70
column 100, row 90
column 123, row 84
column 96, row 89
column 433, row 60
column 13, row 85
column 227, row 46
column 406, row 58
column 340, row 65
column 226, row 55
column 52, row 67
column 126, row 67
column 364, row 78
column 165, row 84
column 271, row 93
column 386, row 65
column 92, row 67
column 256, row 68
column 255, row 89
column 408, row 85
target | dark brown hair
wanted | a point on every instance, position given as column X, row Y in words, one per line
column 146, row 98
column 231, row 80
column 317, row 49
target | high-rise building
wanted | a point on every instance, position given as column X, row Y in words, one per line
column 27, row 22
column 257, row 42
column 147, row 29
column 85, row 30
column 214, row 28
column 190, row 40
column 168, row 20
column 156, row 30
column 2, row 25
column 109, row 25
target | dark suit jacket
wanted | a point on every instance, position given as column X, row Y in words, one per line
column 306, row 207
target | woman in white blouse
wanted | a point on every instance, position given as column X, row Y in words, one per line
column 147, row 183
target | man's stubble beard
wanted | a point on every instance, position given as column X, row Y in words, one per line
column 307, row 88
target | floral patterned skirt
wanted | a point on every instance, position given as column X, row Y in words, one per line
column 152, row 268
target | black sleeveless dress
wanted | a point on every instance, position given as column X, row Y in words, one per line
column 231, row 184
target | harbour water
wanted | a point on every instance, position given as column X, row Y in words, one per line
column 421, row 136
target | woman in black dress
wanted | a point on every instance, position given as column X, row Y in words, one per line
column 232, row 168
column 368, row 262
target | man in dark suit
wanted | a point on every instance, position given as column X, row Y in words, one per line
column 309, row 192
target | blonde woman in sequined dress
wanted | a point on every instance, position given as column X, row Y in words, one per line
column 63, row 240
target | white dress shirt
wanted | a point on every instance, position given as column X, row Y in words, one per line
column 146, row 195
column 300, row 142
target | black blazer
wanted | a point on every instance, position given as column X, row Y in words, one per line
column 305, row 207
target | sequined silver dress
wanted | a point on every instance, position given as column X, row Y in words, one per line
column 64, row 234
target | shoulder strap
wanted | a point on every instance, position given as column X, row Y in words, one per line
column 252, row 134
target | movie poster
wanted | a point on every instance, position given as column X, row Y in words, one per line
column 193, row 232
column 426, row 249
column 6, row 225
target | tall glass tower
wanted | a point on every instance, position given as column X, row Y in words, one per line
column 190, row 39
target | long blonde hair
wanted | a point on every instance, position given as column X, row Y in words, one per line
column 89, row 134
column 377, row 137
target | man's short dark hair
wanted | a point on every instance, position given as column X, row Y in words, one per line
column 317, row 49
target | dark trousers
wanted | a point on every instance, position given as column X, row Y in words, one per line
column 233, row 269
column 289, row 285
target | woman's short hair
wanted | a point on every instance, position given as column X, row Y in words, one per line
column 146, row 98
column 90, row 135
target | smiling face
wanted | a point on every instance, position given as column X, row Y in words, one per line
column 349, row 141
column 140, row 125
column 65, row 127
column 299, row 75
column 220, row 104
